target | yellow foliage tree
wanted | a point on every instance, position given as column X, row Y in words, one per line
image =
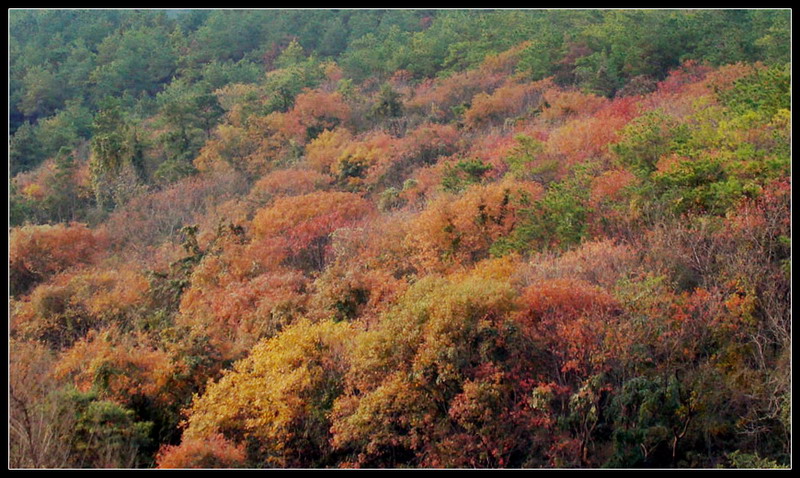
column 276, row 399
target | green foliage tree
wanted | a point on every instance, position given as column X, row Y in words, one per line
column 388, row 104
column 117, row 155
column 43, row 93
column 106, row 434
column 463, row 173
column 138, row 60
column 25, row 149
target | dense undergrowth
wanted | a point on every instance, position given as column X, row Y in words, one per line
column 400, row 239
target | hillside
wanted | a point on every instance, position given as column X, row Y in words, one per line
column 399, row 238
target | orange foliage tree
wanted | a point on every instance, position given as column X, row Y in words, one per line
column 213, row 451
column 287, row 182
column 505, row 103
column 39, row 252
column 314, row 111
column 66, row 308
column 459, row 231
column 300, row 225
column 586, row 137
column 122, row 368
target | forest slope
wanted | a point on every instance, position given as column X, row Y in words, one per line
column 400, row 239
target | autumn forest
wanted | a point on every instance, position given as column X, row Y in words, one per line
column 399, row 238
